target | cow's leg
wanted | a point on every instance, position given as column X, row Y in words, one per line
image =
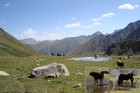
column 94, row 84
column 97, row 82
column 121, row 81
column 132, row 82
column 101, row 81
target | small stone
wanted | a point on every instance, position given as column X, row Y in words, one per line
column 79, row 73
column 78, row 85
column 49, row 81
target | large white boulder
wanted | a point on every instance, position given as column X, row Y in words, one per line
column 51, row 70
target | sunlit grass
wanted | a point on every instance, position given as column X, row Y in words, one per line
column 19, row 69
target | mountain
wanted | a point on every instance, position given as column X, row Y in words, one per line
column 88, row 47
column 100, row 43
column 10, row 46
column 118, row 30
column 135, row 35
column 129, row 47
column 29, row 41
column 61, row 46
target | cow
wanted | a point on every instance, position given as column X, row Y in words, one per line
column 120, row 63
column 125, row 77
column 98, row 75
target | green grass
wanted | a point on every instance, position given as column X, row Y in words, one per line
column 19, row 69
column 10, row 46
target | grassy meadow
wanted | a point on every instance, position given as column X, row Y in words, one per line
column 20, row 67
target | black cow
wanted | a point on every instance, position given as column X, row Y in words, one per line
column 53, row 54
column 120, row 65
column 97, row 76
column 125, row 77
column 59, row 54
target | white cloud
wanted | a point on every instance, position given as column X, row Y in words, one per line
column 96, row 24
column 97, row 19
column 7, row 4
column 128, row 6
column 108, row 15
column 30, row 33
column 40, row 36
column 73, row 25
column 73, row 18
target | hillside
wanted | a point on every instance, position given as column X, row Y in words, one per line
column 88, row 48
column 100, row 43
column 130, row 46
column 60, row 46
column 10, row 46
column 124, row 48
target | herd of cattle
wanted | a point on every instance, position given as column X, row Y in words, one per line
column 58, row 54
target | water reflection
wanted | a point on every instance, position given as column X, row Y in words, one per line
column 112, row 86
column 92, row 87
column 90, row 59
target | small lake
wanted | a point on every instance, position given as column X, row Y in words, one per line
column 100, row 59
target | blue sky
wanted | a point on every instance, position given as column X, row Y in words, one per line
column 57, row 19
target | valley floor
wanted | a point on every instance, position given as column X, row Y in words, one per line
column 19, row 69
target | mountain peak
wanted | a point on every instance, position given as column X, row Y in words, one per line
column 29, row 41
column 96, row 34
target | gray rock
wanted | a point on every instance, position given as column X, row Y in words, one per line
column 51, row 70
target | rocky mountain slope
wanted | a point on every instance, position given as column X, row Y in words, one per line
column 129, row 47
column 100, row 43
